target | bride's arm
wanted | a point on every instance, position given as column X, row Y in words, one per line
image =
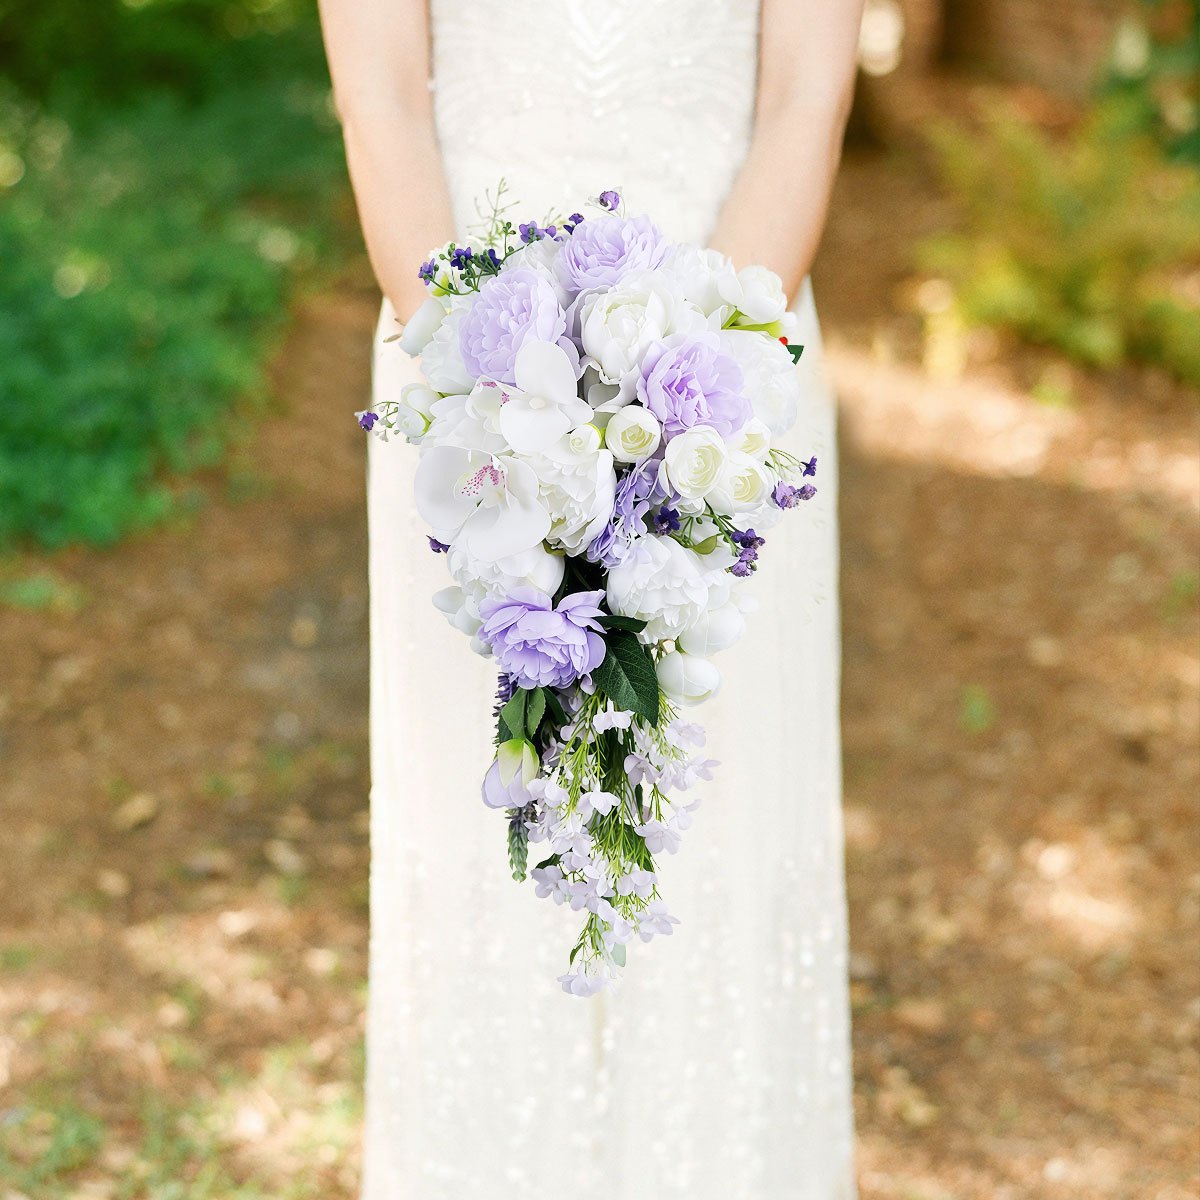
column 379, row 63
column 776, row 209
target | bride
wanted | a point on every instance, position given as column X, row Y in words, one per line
column 721, row 1068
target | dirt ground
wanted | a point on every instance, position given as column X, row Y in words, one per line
column 183, row 778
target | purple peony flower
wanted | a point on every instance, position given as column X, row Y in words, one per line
column 689, row 380
column 540, row 645
column 636, row 492
column 598, row 253
column 512, row 308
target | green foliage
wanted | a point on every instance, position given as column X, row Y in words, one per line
column 148, row 249
column 626, row 675
column 1155, row 66
column 1090, row 244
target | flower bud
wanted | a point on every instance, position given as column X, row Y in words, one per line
column 686, row 679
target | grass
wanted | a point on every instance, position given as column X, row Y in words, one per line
column 151, row 250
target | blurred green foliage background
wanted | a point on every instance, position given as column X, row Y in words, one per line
column 169, row 169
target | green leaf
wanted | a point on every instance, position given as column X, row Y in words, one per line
column 795, row 352
column 626, row 676
column 535, row 709
column 618, row 953
column 632, row 624
column 512, row 716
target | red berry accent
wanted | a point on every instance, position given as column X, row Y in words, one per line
column 784, row 340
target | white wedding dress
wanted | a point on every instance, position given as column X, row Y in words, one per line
column 720, row 1070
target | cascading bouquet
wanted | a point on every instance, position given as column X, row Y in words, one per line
column 596, row 434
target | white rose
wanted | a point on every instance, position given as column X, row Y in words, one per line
column 421, row 326
column 632, row 434
column 715, row 630
column 762, row 300
column 668, row 585
column 687, row 679
column 618, row 325
column 578, row 490
column 694, row 460
column 743, row 485
column 442, row 361
column 771, row 380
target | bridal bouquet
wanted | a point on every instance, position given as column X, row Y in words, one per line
column 597, row 429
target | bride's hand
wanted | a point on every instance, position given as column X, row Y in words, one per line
column 379, row 62
column 776, row 209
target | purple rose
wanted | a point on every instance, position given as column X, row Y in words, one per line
column 600, row 252
column 540, row 645
column 689, row 380
column 512, row 308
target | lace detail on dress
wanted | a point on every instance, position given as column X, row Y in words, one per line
column 654, row 97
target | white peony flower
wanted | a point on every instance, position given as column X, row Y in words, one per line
column 577, row 489
column 693, row 462
column 744, row 485
column 487, row 503
column 442, row 361
column 632, row 434
column 618, row 325
column 772, row 382
column 687, row 679
column 707, row 279
column 585, row 439
column 417, row 331
column 669, row 586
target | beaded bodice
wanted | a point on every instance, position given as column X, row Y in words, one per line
column 566, row 97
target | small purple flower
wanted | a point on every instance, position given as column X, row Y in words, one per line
column 689, row 380
column 428, row 271
column 810, row 467
column 530, row 232
column 461, row 258
column 741, row 569
column 598, row 253
column 511, row 309
column 572, row 223
column 610, row 200
column 666, row 520
column 747, row 539
column 787, row 495
column 636, row 491
column 436, row 546
column 367, row 419
column 539, row 645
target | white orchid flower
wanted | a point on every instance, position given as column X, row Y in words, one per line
column 486, row 503
column 545, row 404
